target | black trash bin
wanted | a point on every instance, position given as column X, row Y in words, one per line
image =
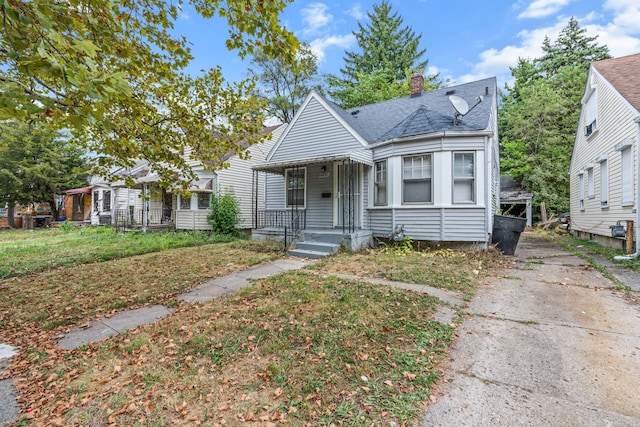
column 506, row 232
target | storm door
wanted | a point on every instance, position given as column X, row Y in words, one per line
column 348, row 200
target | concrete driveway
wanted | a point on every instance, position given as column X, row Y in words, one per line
column 548, row 342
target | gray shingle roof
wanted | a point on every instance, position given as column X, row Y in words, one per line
column 427, row 113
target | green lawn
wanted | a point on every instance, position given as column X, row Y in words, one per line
column 24, row 252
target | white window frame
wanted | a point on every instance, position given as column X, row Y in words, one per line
column 464, row 179
column 304, row 188
column 96, row 201
column 591, row 192
column 581, row 185
column 590, row 106
column 604, row 181
column 380, row 183
column 416, row 173
column 626, row 176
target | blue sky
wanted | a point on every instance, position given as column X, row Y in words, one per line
column 465, row 40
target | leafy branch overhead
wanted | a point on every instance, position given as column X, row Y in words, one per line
column 112, row 73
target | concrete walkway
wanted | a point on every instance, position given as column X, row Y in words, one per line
column 548, row 342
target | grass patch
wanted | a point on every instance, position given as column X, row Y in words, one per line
column 447, row 269
column 25, row 252
column 295, row 348
column 68, row 296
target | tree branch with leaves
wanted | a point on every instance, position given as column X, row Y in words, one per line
column 112, row 73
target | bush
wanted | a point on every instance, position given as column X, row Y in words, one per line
column 66, row 226
column 225, row 213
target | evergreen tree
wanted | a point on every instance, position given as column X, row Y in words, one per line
column 539, row 114
column 36, row 164
column 378, row 70
column 572, row 48
column 384, row 45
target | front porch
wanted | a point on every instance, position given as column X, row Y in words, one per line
column 315, row 203
column 351, row 240
column 136, row 219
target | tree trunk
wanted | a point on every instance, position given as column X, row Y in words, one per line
column 10, row 221
column 54, row 209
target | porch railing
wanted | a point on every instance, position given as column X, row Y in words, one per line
column 281, row 218
column 133, row 218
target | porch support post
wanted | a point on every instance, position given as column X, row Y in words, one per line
column 254, row 205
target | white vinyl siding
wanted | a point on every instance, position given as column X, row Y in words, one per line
column 626, row 172
column 417, row 179
column 464, row 178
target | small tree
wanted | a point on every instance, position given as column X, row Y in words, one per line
column 225, row 213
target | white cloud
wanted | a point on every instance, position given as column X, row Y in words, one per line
column 627, row 15
column 543, row 8
column 356, row 12
column 315, row 16
column 319, row 46
column 496, row 62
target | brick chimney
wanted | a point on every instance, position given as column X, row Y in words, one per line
column 417, row 84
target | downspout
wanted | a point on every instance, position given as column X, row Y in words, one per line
column 488, row 190
column 636, row 254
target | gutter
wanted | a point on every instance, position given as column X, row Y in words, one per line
column 435, row 135
column 636, row 254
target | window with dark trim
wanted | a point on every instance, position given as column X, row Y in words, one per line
column 416, row 179
column 96, row 201
column 204, row 200
column 185, row 203
column 295, row 182
column 106, row 201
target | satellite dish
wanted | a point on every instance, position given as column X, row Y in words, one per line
column 459, row 104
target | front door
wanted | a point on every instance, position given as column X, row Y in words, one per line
column 78, row 207
column 348, row 195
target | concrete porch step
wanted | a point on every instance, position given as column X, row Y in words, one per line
column 314, row 250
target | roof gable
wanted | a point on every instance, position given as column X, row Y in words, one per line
column 317, row 129
column 623, row 74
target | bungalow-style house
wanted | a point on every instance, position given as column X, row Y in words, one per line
column 147, row 206
column 424, row 166
column 604, row 189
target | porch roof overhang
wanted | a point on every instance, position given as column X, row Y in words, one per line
column 364, row 157
column 84, row 190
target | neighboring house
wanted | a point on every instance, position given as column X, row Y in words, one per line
column 347, row 177
column 237, row 178
column 148, row 206
column 76, row 204
column 603, row 191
